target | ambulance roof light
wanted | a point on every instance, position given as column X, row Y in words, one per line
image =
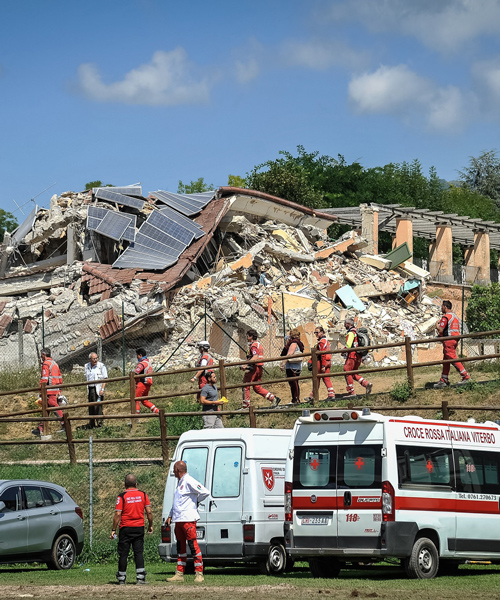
column 306, row 412
column 366, row 411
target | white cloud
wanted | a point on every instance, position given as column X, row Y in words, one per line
column 167, row 80
column 247, row 70
column 440, row 24
column 322, row 55
column 487, row 75
column 400, row 92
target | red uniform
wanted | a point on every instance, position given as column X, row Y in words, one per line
column 450, row 324
column 324, row 364
column 353, row 362
column 51, row 375
column 205, row 360
column 144, row 384
column 132, row 504
column 255, row 375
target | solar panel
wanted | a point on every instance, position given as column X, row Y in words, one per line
column 130, row 232
column 183, row 198
column 162, row 237
column 155, row 245
column 95, row 215
column 183, row 221
column 106, row 194
column 129, row 190
column 205, row 196
column 26, row 226
column 114, row 225
column 179, row 205
column 172, row 228
column 132, row 259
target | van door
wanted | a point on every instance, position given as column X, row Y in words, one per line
column 359, row 493
column 224, row 510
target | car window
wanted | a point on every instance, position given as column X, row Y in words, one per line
column 50, row 496
column 34, row 498
column 12, row 499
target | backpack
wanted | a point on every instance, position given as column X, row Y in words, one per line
column 363, row 340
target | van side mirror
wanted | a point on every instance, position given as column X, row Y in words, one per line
column 2, row 506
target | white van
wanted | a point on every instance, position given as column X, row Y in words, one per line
column 242, row 519
column 362, row 487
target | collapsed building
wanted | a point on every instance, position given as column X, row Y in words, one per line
column 175, row 268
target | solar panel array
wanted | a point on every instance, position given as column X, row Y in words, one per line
column 187, row 204
column 112, row 196
column 128, row 190
column 113, row 222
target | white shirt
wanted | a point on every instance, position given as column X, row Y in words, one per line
column 93, row 373
column 188, row 494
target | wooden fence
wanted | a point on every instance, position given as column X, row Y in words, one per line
column 163, row 416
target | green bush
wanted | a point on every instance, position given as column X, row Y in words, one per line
column 483, row 309
column 401, row 392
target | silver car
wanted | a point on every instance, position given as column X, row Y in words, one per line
column 39, row 522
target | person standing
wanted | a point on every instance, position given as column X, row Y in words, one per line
column 324, row 362
column 204, row 361
column 449, row 325
column 353, row 360
column 144, row 384
column 94, row 371
column 51, row 375
column 293, row 366
column 254, row 370
column 129, row 514
column 209, row 398
column 184, row 513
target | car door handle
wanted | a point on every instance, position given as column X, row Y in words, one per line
column 347, row 498
column 53, row 512
column 21, row 517
column 210, row 504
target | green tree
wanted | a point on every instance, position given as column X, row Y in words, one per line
column 96, row 184
column 236, row 181
column 194, row 187
column 482, row 175
column 483, row 309
column 7, row 222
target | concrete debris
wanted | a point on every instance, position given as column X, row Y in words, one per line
column 256, row 273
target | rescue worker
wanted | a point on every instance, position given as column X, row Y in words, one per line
column 254, row 370
column 324, row 363
column 51, row 375
column 205, row 360
column 184, row 513
column 95, row 370
column 353, row 360
column 129, row 514
column 449, row 325
column 209, row 398
column 144, row 384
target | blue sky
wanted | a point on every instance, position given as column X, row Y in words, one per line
column 156, row 91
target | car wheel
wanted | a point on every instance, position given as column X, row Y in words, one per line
column 324, row 568
column 423, row 562
column 63, row 553
column 276, row 562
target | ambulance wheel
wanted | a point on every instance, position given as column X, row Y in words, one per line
column 423, row 562
column 324, row 568
column 276, row 562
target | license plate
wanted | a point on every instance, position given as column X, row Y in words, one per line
column 314, row 521
column 200, row 534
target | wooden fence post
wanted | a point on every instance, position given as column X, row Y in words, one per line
column 69, row 439
column 132, row 401
column 445, row 410
column 222, row 378
column 163, row 435
column 409, row 363
column 315, row 382
column 252, row 417
column 45, row 412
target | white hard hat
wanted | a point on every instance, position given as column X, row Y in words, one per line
column 203, row 344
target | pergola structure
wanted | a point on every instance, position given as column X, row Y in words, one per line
column 441, row 229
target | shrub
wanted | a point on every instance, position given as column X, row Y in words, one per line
column 483, row 309
column 401, row 392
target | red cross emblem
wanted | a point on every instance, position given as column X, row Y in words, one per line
column 268, row 476
column 360, row 463
column 314, row 464
column 429, row 466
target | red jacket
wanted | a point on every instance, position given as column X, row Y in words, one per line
column 325, row 359
column 51, row 375
column 255, row 349
column 450, row 324
column 208, row 358
column 144, row 366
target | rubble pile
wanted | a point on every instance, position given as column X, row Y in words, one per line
column 256, row 273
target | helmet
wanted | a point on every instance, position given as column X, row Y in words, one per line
column 203, row 345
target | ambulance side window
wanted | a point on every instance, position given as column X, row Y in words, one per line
column 360, row 467
column 196, row 461
column 227, row 472
column 424, row 466
column 314, row 467
column 477, row 471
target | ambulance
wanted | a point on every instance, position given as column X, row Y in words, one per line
column 361, row 487
column 241, row 522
